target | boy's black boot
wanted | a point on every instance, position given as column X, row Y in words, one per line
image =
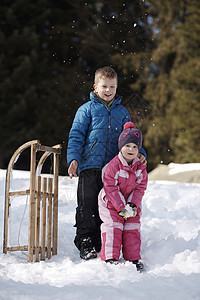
column 87, row 250
column 139, row 266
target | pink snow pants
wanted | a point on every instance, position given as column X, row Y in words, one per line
column 117, row 232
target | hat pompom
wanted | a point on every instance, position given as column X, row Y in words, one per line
column 129, row 125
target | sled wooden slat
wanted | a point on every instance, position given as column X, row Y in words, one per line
column 43, row 222
column 43, row 202
column 37, row 219
column 18, row 248
column 24, row 193
column 24, row 248
column 19, row 193
column 49, row 149
column 55, row 205
column 49, row 217
column 32, row 203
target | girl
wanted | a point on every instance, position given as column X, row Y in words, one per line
column 124, row 184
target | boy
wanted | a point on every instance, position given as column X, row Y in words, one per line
column 124, row 181
column 92, row 144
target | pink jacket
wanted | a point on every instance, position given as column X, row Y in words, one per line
column 124, row 183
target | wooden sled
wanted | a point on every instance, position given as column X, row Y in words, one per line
column 38, row 196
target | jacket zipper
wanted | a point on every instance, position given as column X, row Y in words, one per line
column 107, row 137
column 89, row 151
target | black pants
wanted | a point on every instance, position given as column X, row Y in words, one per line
column 87, row 216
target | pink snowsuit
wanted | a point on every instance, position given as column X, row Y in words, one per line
column 123, row 183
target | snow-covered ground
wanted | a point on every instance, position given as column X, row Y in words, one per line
column 170, row 248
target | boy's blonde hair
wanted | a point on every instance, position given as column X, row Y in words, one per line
column 105, row 72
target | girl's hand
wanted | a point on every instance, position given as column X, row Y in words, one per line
column 129, row 211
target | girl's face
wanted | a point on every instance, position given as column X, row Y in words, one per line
column 129, row 152
column 106, row 88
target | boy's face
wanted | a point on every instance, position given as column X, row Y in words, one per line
column 129, row 152
column 106, row 88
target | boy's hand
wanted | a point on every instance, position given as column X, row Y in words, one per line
column 142, row 158
column 73, row 169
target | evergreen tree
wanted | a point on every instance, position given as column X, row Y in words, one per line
column 185, row 109
column 172, row 132
column 50, row 51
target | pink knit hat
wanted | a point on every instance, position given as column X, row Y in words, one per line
column 130, row 134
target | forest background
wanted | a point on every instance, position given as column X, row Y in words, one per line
column 50, row 49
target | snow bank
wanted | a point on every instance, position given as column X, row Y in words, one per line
column 177, row 172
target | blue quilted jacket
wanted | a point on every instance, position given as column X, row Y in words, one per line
column 93, row 138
